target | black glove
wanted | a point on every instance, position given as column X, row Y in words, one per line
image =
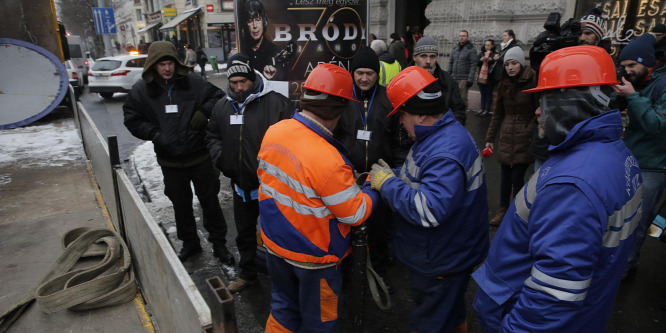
column 199, row 120
column 469, row 84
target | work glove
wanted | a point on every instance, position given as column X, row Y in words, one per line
column 469, row 84
column 380, row 172
column 199, row 120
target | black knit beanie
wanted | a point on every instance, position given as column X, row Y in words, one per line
column 429, row 101
column 365, row 58
column 239, row 65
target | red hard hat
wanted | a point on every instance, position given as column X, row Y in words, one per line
column 576, row 66
column 331, row 79
column 407, row 84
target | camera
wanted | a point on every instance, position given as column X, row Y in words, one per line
column 621, row 73
column 554, row 38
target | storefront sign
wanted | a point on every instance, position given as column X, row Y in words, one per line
column 293, row 37
column 210, row 8
column 153, row 17
column 169, row 12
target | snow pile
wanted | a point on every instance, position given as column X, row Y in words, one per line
column 52, row 144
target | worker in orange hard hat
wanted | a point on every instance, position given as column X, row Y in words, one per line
column 556, row 260
column 441, row 197
column 308, row 202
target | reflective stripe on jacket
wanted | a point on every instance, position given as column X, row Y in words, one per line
column 441, row 197
column 308, row 198
column 556, row 261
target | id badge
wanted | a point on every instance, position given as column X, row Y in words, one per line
column 236, row 119
column 363, row 135
column 172, row 108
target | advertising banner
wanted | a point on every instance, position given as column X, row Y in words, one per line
column 626, row 19
column 286, row 39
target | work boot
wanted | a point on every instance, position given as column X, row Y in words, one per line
column 240, row 284
column 498, row 217
column 188, row 251
column 221, row 252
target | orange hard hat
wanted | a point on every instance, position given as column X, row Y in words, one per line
column 331, row 79
column 576, row 66
column 407, row 84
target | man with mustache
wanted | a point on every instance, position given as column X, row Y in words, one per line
column 426, row 52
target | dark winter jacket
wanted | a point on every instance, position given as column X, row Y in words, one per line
column 383, row 130
column 498, row 69
column 452, row 97
column 514, row 118
column 462, row 62
column 397, row 49
column 177, row 143
column 234, row 148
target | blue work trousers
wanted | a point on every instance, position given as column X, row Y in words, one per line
column 303, row 300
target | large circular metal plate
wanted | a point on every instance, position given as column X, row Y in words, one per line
column 33, row 82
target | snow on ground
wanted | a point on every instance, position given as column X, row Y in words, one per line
column 52, row 144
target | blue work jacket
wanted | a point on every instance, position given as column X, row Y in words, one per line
column 556, row 261
column 441, row 198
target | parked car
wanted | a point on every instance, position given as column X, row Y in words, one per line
column 76, row 53
column 76, row 76
column 110, row 75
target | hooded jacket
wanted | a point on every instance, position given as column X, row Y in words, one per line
column 177, row 144
column 556, row 261
column 441, row 197
column 234, row 148
column 514, row 117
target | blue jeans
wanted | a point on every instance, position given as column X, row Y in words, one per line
column 486, row 91
column 653, row 187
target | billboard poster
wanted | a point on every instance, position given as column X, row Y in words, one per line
column 286, row 39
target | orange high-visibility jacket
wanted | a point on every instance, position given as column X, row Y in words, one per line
column 308, row 199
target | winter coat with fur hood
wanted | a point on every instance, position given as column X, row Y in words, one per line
column 514, row 118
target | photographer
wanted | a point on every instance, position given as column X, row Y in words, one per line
column 589, row 30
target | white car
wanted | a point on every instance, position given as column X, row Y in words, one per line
column 110, row 75
column 76, row 76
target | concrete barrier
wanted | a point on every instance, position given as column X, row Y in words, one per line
column 172, row 297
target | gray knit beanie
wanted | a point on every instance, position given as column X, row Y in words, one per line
column 515, row 53
column 426, row 44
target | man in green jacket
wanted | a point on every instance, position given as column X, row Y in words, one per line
column 642, row 90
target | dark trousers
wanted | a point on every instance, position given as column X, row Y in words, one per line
column 245, row 216
column 206, row 186
column 439, row 302
column 304, row 300
column 513, row 179
column 486, row 91
column 379, row 237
